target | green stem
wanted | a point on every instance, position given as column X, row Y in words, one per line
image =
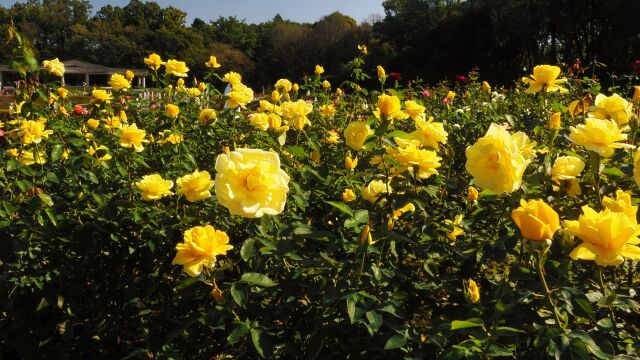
column 364, row 256
column 547, row 292
column 603, row 289
column 594, row 162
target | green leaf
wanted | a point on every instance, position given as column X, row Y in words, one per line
column 395, row 342
column 257, row 279
column 375, row 320
column 56, row 152
column 261, row 343
column 499, row 350
column 469, row 323
column 613, row 171
column 238, row 333
column 342, row 207
column 362, row 216
column 238, row 295
column 46, row 199
column 297, row 151
column 248, row 249
column 351, row 309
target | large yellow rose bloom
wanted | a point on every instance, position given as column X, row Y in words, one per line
column 239, row 96
column 154, row 61
column 429, row 133
column 566, row 167
column 296, row 112
column 374, row 189
column 132, row 137
column 54, row 67
column 195, row 186
column 544, row 77
column 599, row 135
column 207, row 116
column 32, row 131
column 200, row 246
column 356, row 133
column 154, row 187
column 537, row 220
column 613, row 107
column 390, row 107
column 250, row 183
column 119, row 82
column 176, row 68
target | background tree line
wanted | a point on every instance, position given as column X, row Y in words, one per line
column 428, row 39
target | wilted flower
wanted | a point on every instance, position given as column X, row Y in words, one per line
column 195, row 186
column 555, row 121
column 250, row 183
column 362, row 48
column 327, row 111
column 169, row 137
column 200, row 246
column 456, row 230
column 544, row 77
column 154, row 187
column 333, row 137
column 101, row 152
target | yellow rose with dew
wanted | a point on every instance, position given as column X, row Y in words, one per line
column 283, row 85
column 154, row 187
column 296, row 112
column 389, row 106
column 471, row 292
column 195, row 186
column 119, row 82
column 472, row 194
column 410, row 157
column 555, row 121
column 599, row 135
column 356, row 133
column 239, row 96
column 199, row 249
column 380, row 72
column 455, row 229
column 326, row 85
column 129, row 75
column 101, row 152
column 319, row 70
column 250, row 183
column 328, row 111
column 154, row 61
column 429, row 133
column 62, row 92
column 132, row 137
column 232, row 78
column 544, row 77
column 333, row 137
column 93, row 123
column 101, row 96
column 612, row 107
column 172, row 111
column 496, row 161
column 537, row 220
column 169, row 137
column 32, row 132
column 350, row 163
column 374, row 189
column 259, row 121
column 607, row 237
column 486, row 87
column 212, row 63
column 348, row 195
column 207, row 116
column 413, row 109
column 54, row 67
column 566, row 167
column 176, row 68
column 194, row 92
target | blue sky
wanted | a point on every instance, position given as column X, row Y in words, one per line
column 256, row 11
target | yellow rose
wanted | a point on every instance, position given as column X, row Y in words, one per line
column 327, row 111
column 296, row 113
column 389, row 106
column 612, row 107
column 275, row 123
column 250, row 183
column 176, row 68
column 410, row 157
column 486, row 87
column 608, row 237
column 295, row 87
column 356, row 133
column 283, row 85
column 207, row 116
column 101, row 96
column 62, row 92
column 380, row 72
column 101, row 152
column 413, row 109
column 32, row 132
column 430, row 134
column 537, row 220
column 496, row 161
column 168, row 137
column 544, row 77
column 555, row 121
column 212, row 63
column 566, row 167
column 195, row 186
column 200, row 246
column 455, row 229
column 119, row 82
column 239, row 96
column 172, row 110
column 599, row 135
column 27, row 157
column 472, row 194
column 374, row 189
column 451, row 95
column 319, row 70
column 232, row 78
column 54, row 67
column 93, row 123
column 131, row 136
column 194, row 92
column 326, row 85
column 348, row 195
column 129, row 75
column 471, row 292
column 622, row 204
column 363, row 49
column 154, row 61
column 350, row 163
column 259, row 121
column 154, row 187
